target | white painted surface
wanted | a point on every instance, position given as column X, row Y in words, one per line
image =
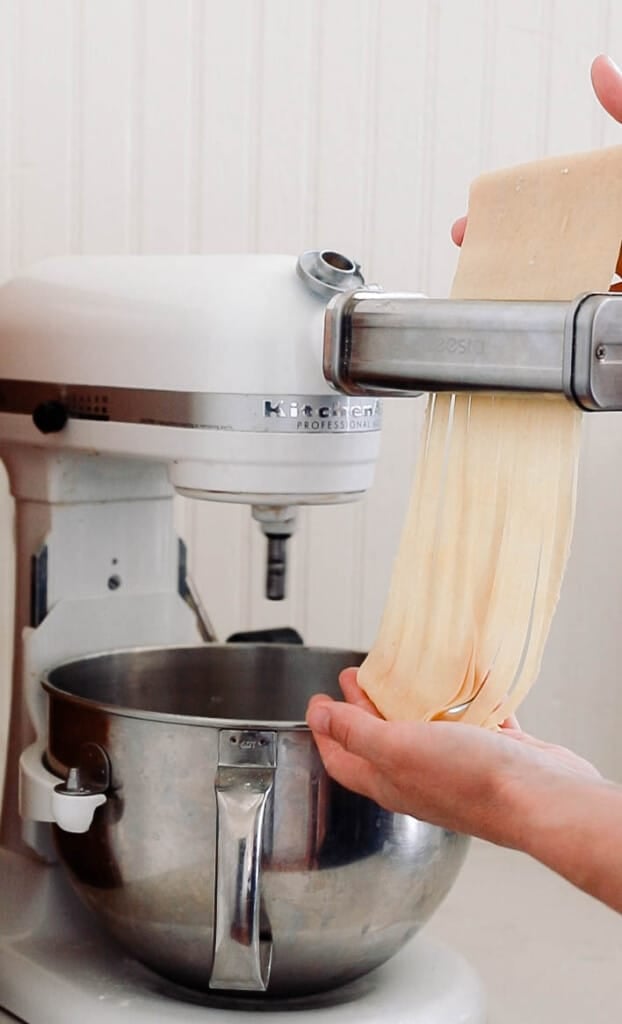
column 267, row 125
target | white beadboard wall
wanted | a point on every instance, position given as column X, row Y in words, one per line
column 281, row 125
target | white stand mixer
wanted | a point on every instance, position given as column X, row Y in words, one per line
column 124, row 379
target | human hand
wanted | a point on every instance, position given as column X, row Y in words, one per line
column 454, row 775
column 607, row 84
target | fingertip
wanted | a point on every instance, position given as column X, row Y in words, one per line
column 597, row 61
column 348, row 676
column 323, row 697
column 458, row 229
column 604, row 61
column 353, row 693
column 607, row 83
column 318, row 715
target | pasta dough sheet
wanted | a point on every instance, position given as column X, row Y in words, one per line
column 487, row 534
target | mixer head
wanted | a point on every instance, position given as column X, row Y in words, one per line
column 210, row 364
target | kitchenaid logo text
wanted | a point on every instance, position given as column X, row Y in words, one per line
column 337, row 415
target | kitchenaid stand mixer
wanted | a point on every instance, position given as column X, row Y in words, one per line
column 123, row 378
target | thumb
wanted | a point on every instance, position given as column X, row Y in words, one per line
column 336, row 740
column 358, row 732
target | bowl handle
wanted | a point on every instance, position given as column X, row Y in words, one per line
column 244, row 781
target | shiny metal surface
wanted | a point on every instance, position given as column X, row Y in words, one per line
column 277, row 523
column 383, row 342
column 327, row 272
column 268, row 412
column 597, row 353
column 244, row 783
column 391, row 343
column 332, row 885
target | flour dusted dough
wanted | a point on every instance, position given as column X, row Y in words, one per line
column 487, row 534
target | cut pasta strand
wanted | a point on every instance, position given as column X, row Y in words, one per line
column 487, row 534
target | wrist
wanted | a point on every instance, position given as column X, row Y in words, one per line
column 573, row 825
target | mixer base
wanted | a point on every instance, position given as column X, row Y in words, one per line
column 56, row 967
column 425, row 984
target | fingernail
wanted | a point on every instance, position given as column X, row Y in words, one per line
column 318, row 719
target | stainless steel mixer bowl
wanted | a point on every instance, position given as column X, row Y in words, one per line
column 224, row 857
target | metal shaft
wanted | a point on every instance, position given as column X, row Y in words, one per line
column 276, row 567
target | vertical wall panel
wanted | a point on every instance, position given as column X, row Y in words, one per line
column 288, row 88
column 9, row 37
column 42, row 118
column 104, row 110
column 574, row 118
column 518, row 94
column 343, row 154
column 166, row 126
column 232, row 92
column 462, row 121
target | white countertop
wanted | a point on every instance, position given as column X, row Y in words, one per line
column 546, row 953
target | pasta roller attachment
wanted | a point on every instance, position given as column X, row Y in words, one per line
column 384, row 343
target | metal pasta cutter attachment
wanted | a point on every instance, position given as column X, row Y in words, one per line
column 398, row 343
